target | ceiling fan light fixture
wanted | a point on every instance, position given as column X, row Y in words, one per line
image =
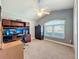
column 40, row 14
column 41, row 11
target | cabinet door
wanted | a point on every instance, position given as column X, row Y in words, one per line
column 6, row 22
column 20, row 24
column 15, row 52
column 17, row 24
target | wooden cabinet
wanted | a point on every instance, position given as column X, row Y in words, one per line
column 13, row 50
column 13, row 23
column 6, row 22
column 17, row 24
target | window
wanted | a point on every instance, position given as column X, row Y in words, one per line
column 55, row 28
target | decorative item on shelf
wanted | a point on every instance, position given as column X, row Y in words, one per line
column 18, row 20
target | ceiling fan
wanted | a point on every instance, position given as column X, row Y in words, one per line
column 41, row 11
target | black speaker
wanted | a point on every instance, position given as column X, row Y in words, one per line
column 39, row 32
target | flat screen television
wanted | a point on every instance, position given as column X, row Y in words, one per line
column 20, row 30
column 8, row 32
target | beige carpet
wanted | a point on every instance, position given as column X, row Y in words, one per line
column 43, row 49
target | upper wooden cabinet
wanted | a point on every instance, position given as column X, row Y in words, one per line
column 6, row 22
column 13, row 23
column 17, row 24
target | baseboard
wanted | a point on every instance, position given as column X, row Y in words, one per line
column 70, row 45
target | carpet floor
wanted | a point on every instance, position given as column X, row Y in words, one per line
column 43, row 49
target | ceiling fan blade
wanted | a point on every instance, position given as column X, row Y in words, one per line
column 47, row 13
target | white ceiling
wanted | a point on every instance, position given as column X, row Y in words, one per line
column 26, row 8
